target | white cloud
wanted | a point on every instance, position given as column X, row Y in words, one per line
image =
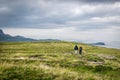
column 4, row 10
column 106, row 19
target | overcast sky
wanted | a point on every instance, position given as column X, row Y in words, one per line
column 83, row 20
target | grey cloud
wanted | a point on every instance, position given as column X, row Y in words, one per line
column 88, row 1
column 52, row 14
column 19, row 10
column 15, row 14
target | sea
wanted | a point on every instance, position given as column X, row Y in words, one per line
column 112, row 44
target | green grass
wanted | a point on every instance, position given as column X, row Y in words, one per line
column 57, row 61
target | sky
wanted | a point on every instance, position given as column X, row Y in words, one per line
column 79, row 20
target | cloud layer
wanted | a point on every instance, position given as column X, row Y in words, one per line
column 80, row 15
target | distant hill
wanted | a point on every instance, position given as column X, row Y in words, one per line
column 97, row 43
column 9, row 38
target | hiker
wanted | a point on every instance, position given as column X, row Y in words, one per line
column 80, row 50
column 76, row 49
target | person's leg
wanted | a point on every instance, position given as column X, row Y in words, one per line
column 80, row 51
column 76, row 51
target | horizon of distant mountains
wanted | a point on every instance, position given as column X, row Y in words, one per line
column 8, row 38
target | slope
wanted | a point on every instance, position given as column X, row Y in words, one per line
column 57, row 61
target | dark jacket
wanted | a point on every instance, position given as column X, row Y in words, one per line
column 76, row 47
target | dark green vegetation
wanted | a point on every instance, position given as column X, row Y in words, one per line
column 57, row 61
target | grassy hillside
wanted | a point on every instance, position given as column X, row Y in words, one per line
column 57, row 61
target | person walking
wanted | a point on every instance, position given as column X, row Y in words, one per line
column 80, row 50
column 76, row 49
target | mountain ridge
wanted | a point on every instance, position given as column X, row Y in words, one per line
column 18, row 38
